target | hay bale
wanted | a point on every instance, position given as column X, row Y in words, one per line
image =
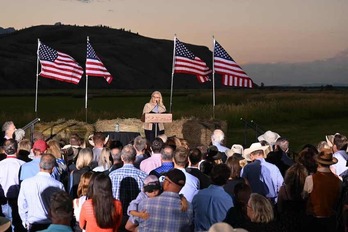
column 62, row 129
column 195, row 131
column 125, row 125
column 198, row 132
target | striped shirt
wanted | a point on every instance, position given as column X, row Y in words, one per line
column 128, row 170
column 165, row 214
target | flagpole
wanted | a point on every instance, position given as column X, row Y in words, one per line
column 37, row 75
column 171, row 85
column 86, row 93
column 213, row 78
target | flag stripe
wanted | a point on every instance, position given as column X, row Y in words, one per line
column 94, row 66
column 187, row 62
column 58, row 66
column 232, row 73
column 66, row 70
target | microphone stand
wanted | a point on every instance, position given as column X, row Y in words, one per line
column 156, row 124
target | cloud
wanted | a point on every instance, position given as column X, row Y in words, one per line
column 333, row 71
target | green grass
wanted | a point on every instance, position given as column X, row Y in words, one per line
column 301, row 116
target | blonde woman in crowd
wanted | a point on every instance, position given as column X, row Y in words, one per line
column 83, row 162
column 24, row 147
column 105, row 161
column 60, row 172
column 82, row 190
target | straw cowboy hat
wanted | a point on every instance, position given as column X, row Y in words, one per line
column 269, row 136
column 90, row 139
column 255, row 147
column 235, row 151
column 325, row 157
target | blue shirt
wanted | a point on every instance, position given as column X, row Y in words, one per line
column 210, row 206
column 165, row 214
column 165, row 167
column 57, row 228
column 30, row 169
column 133, row 205
column 264, row 178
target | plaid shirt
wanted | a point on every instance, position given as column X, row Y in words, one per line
column 128, row 170
column 166, row 214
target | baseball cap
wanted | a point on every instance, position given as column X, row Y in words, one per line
column 176, row 176
column 151, row 183
column 40, row 145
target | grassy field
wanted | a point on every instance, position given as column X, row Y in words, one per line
column 301, row 116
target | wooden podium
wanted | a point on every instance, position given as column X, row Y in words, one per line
column 158, row 118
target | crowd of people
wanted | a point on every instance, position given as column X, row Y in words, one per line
column 166, row 185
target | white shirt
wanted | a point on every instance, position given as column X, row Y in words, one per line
column 340, row 166
column 9, row 172
column 30, row 205
column 191, row 186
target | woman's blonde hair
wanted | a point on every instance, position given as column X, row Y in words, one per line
column 84, row 158
column 160, row 100
column 261, row 207
column 82, row 188
column 104, row 158
column 54, row 148
column 24, row 144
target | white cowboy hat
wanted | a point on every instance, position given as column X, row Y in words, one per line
column 255, row 147
column 269, row 136
column 223, row 226
column 330, row 139
column 90, row 139
column 236, row 150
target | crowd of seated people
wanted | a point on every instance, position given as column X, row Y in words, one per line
column 168, row 185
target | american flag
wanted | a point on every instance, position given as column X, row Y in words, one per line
column 58, row 66
column 94, row 66
column 187, row 62
column 232, row 73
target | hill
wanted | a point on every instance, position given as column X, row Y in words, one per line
column 135, row 61
column 6, row 30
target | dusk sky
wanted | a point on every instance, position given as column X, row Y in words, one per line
column 250, row 30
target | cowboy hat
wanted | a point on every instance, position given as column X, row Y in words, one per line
column 326, row 157
column 235, row 151
column 269, row 136
column 223, row 226
column 90, row 139
column 255, row 147
column 330, row 139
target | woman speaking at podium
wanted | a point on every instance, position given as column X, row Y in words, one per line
column 155, row 105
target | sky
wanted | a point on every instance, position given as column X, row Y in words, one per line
column 251, row 31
